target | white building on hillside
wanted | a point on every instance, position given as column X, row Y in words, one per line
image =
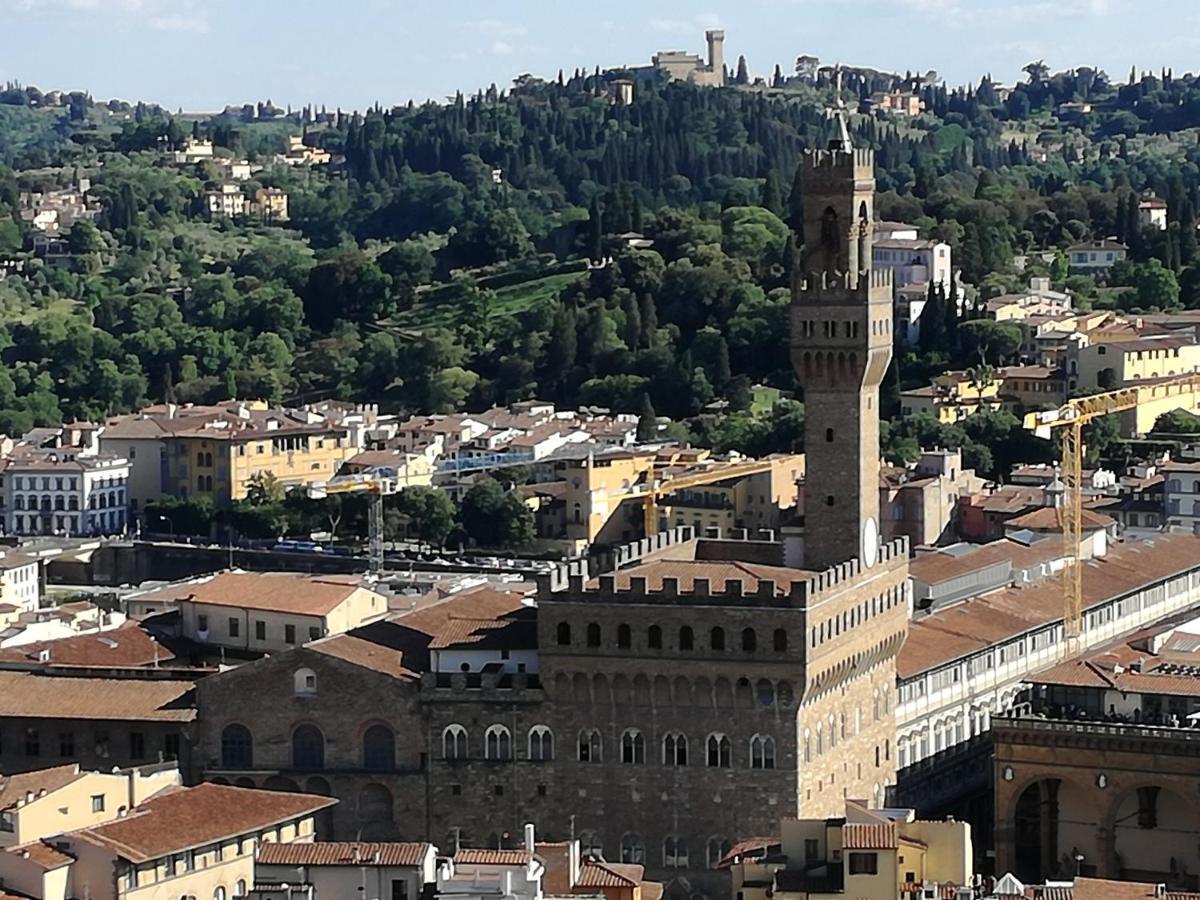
column 67, row 492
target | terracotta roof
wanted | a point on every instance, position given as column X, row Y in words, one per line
column 1103, row 889
column 1158, row 343
column 975, row 625
column 1010, row 498
column 471, row 617
column 176, row 820
column 309, row 595
column 364, row 653
column 485, row 857
column 1096, row 245
column 860, row 836
column 596, row 874
column 42, row 855
column 757, row 845
column 35, row 695
column 717, row 573
column 1048, row 518
column 125, row 647
column 10, row 560
column 16, row 787
column 345, row 853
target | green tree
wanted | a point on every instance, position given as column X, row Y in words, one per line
column 647, row 425
column 493, row 517
column 1156, row 285
column 264, row 489
column 989, row 340
column 429, row 511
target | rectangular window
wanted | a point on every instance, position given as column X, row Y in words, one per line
column 314, row 633
column 399, row 889
column 137, row 745
column 202, row 622
column 33, row 742
column 234, row 626
column 97, row 803
column 66, row 743
column 289, row 634
column 260, row 630
column 812, row 849
column 171, row 746
column 864, row 864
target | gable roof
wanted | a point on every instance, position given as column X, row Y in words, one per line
column 486, row 857
column 42, row 855
column 125, row 647
column 287, row 592
column 342, row 853
column 178, row 819
column 34, row 695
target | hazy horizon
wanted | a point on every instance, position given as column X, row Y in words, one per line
column 202, row 57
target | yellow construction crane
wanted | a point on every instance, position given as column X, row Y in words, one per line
column 377, row 484
column 1069, row 419
column 659, row 489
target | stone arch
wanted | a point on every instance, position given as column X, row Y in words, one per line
column 1052, row 818
column 237, row 747
column 785, row 694
column 1154, row 832
column 621, row 691
column 308, row 747
column 580, row 688
column 280, row 783
column 662, row 691
column 702, row 693
column 379, row 748
column 218, row 780
column 562, row 688
column 744, row 694
column 641, row 690
column 601, row 689
column 244, row 782
column 375, row 811
column 724, row 693
column 683, row 692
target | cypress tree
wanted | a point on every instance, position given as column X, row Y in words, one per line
column 633, row 321
column 595, row 247
column 743, row 72
column 647, row 426
column 796, row 202
column 721, row 371
column 648, row 313
column 772, row 193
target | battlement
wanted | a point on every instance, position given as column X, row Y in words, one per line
column 857, row 163
column 843, row 287
column 807, row 591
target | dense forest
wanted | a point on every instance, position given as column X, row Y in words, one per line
column 476, row 252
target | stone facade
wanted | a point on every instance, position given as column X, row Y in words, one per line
column 841, row 347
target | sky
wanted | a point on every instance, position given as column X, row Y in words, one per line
column 204, row 54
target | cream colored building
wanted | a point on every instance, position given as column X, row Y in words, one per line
column 337, row 870
column 869, row 854
column 264, row 612
column 188, row 842
column 1139, row 362
column 271, row 204
column 225, row 202
column 20, row 581
column 49, row 801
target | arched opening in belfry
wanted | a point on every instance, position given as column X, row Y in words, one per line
column 864, row 237
column 830, row 239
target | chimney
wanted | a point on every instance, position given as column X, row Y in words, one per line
column 529, row 837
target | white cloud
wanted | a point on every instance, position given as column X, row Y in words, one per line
column 502, row 48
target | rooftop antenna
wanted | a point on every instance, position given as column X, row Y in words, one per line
column 840, row 139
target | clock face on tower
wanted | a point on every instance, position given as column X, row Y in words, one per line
column 870, row 543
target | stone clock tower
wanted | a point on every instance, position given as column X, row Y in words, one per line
column 841, row 346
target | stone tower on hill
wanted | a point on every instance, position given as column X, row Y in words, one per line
column 841, row 347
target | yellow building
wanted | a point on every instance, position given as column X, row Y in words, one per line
column 867, row 855
column 952, row 396
column 1142, row 361
column 216, row 451
column 597, row 486
column 753, row 502
column 271, row 204
column 264, row 612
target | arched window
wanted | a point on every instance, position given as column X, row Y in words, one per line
column 675, row 855
column 654, row 637
column 239, row 889
column 219, row 892
column 719, row 751
column 304, row 682
column 199, row 487
column 591, row 845
column 237, row 747
column 541, row 744
column 308, row 748
column 685, row 638
column 564, row 634
column 780, row 640
column 716, row 638
column 60, row 502
column 633, row 747
column 454, row 742
column 497, row 743
column 593, row 635
column 715, row 851
column 379, row 749
column 749, row 640
column 766, row 692
column 807, row 745
column 624, row 637
column 590, row 748
column 632, row 849
column 674, row 749
column 762, row 752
